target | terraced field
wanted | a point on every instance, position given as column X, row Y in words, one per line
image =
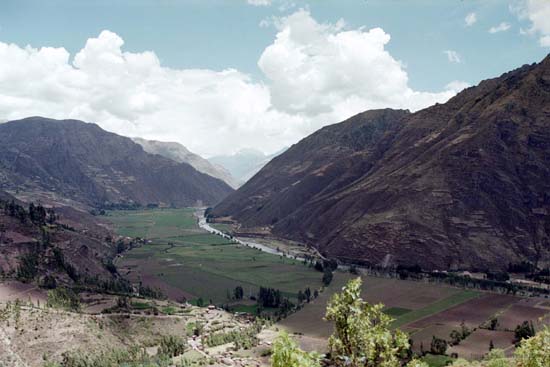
column 186, row 261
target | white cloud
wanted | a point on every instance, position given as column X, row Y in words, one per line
column 457, row 86
column 470, row 19
column 502, row 27
column 326, row 72
column 259, row 2
column 538, row 13
column 318, row 74
column 453, row 56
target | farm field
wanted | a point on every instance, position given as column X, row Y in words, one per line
column 185, row 261
column 425, row 310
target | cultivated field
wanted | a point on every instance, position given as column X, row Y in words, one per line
column 186, row 261
column 425, row 310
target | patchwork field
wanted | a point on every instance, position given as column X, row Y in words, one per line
column 186, row 261
column 425, row 310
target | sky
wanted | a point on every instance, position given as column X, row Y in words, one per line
column 223, row 75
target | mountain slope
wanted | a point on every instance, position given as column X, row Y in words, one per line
column 179, row 153
column 80, row 161
column 464, row 184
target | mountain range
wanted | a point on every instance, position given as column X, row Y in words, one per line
column 70, row 162
column 460, row 185
column 181, row 154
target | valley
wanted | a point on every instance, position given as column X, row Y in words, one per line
column 316, row 208
column 181, row 258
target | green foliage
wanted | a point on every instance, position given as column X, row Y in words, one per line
column 327, row 276
column 132, row 357
column 243, row 339
column 64, row 298
column 417, row 363
column 362, row 335
column 524, row 331
column 438, row 346
column 171, row 346
column 496, row 358
column 239, row 292
column 535, row 351
column 436, row 360
column 28, row 266
column 286, row 353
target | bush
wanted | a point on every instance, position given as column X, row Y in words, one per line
column 362, row 332
column 172, row 346
column 63, row 298
column 285, row 353
column 535, row 351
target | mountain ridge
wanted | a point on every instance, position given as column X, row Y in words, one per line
column 179, row 153
column 439, row 181
column 79, row 161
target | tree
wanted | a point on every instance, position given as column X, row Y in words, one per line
column 301, row 297
column 171, row 346
column 307, row 293
column 286, row 353
column 464, row 330
column 327, row 276
column 239, row 292
column 535, row 351
column 456, row 337
column 493, row 323
column 362, row 335
column 438, row 346
column 524, row 331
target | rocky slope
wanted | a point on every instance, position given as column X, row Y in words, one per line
column 71, row 160
column 52, row 245
column 464, row 184
column 179, row 153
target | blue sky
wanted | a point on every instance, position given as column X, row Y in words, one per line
column 429, row 39
column 218, row 34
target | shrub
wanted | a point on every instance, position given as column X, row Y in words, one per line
column 285, row 353
column 172, row 346
column 362, row 334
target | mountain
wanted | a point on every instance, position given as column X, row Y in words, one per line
column 465, row 184
column 244, row 164
column 59, row 245
column 70, row 160
column 181, row 154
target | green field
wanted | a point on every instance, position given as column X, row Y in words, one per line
column 441, row 305
column 200, row 264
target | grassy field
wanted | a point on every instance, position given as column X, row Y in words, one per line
column 405, row 301
column 433, row 308
column 200, row 264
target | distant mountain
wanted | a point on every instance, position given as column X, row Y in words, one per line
column 245, row 163
column 78, row 161
column 181, row 154
column 465, row 184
